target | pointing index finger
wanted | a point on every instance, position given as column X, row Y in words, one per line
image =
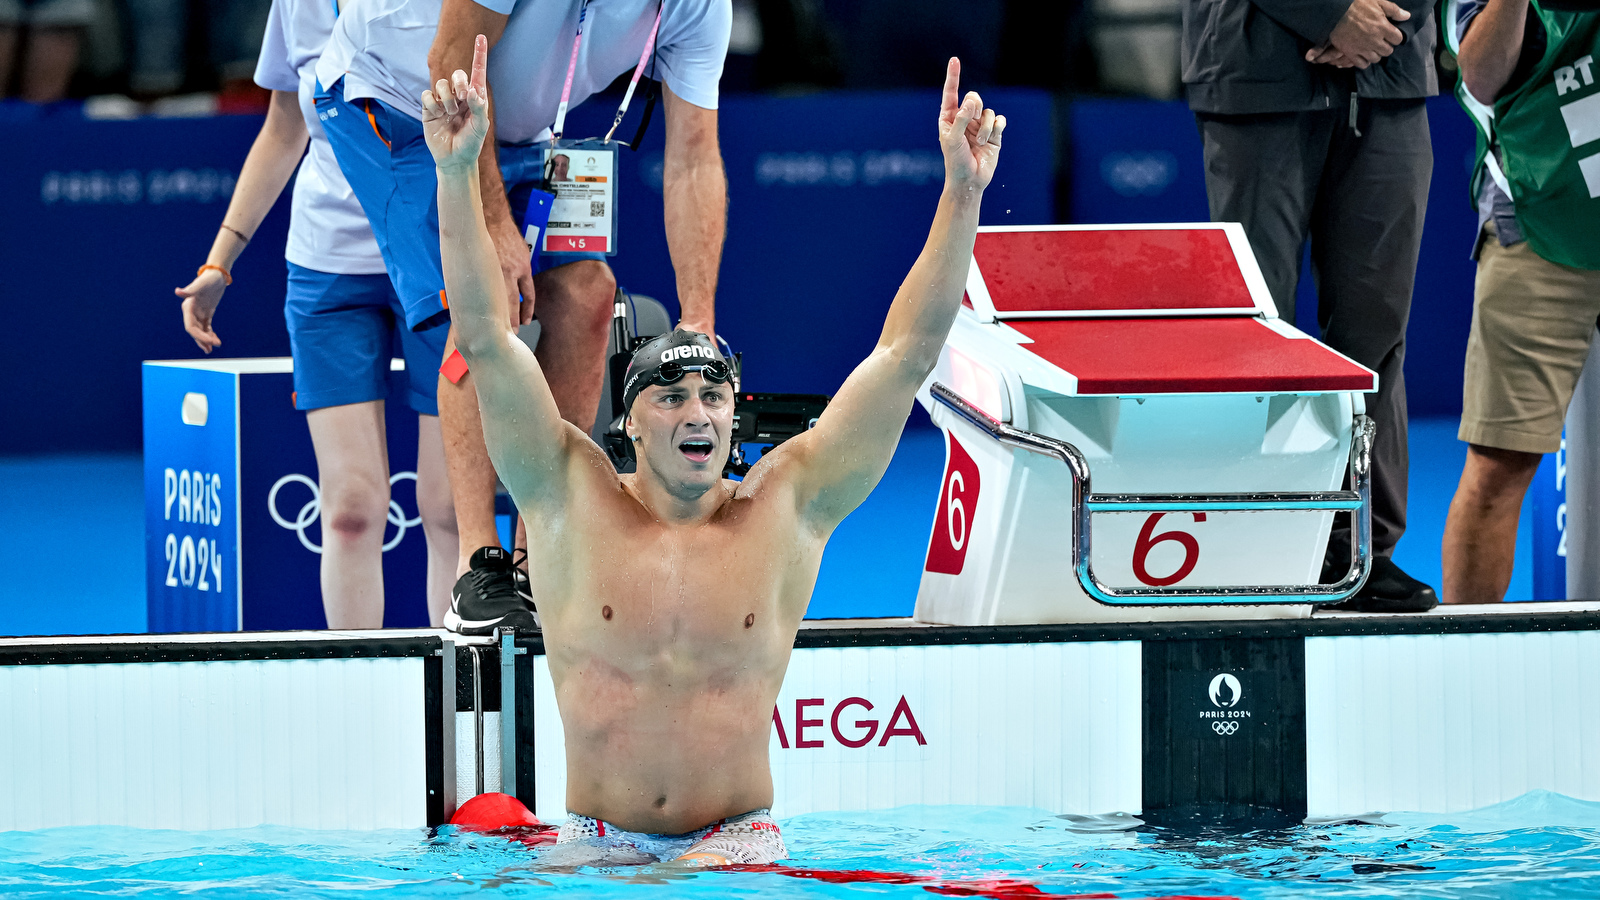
column 480, row 62
column 952, row 93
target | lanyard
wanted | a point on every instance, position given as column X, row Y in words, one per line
column 572, row 67
column 638, row 70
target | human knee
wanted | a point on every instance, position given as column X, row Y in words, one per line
column 350, row 524
column 352, row 511
column 1496, row 477
column 1499, row 461
column 592, row 278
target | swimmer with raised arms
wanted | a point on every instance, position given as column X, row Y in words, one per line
column 670, row 597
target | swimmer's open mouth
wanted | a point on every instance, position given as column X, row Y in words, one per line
column 697, row 449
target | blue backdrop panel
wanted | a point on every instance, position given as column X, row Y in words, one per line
column 232, row 511
column 102, row 220
column 824, row 220
column 1441, row 306
column 1548, row 500
column 1139, row 161
column 830, row 195
column 282, row 590
column 191, row 500
column 1135, row 161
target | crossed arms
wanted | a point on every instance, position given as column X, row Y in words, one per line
column 1347, row 33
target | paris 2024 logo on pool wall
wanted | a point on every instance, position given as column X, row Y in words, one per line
column 1225, row 692
column 958, row 503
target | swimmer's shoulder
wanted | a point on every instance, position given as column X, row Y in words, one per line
column 784, row 464
column 769, row 481
column 580, row 473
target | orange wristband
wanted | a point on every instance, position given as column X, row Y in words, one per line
column 226, row 278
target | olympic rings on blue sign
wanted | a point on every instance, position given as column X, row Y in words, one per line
column 313, row 509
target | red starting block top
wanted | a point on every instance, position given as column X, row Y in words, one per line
column 1187, row 270
column 1207, row 354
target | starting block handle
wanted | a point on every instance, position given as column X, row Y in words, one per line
column 1358, row 502
column 1347, row 501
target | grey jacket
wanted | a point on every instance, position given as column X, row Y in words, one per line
column 1248, row 56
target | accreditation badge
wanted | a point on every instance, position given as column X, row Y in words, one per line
column 531, row 207
column 582, row 175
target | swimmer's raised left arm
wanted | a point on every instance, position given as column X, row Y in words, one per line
column 528, row 441
column 835, row 465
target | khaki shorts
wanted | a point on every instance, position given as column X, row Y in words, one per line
column 1532, row 324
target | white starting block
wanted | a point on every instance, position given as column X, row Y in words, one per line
column 1149, row 362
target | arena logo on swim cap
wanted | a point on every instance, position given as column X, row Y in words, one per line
column 675, row 353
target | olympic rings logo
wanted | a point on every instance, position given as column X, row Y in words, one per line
column 1224, row 727
column 313, row 509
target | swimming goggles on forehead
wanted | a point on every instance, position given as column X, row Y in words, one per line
column 673, row 372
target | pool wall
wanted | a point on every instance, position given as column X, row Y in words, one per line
column 1332, row 716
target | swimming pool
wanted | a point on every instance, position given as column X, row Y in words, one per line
column 1539, row 845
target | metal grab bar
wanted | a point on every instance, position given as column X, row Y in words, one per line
column 1085, row 503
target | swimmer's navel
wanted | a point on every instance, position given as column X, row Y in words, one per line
column 605, row 613
column 749, row 620
column 660, row 802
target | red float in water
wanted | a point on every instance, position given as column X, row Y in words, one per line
column 505, row 814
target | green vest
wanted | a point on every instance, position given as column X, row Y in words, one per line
column 1548, row 131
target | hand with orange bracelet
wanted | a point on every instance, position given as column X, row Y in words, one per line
column 272, row 160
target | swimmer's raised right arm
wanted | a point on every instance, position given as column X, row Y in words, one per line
column 833, row 467
column 528, row 441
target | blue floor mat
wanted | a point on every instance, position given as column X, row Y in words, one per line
column 72, row 545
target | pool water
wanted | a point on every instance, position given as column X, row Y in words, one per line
column 1540, row 845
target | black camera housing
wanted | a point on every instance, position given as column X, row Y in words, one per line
column 769, row 420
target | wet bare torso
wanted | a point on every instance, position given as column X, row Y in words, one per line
column 668, row 643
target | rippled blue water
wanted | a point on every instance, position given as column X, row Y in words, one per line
column 1539, row 846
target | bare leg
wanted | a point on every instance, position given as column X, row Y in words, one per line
column 574, row 308
column 1480, row 533
column 353, row 469
column 8, row 56
column 438, row 513
column 52, row 59
column 472, row 478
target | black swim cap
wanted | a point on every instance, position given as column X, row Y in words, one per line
column 664, row 359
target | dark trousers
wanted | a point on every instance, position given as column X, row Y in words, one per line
column 1359, row 195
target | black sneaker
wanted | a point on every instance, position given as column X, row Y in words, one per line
column 519, row 566
column 487, row 598
column 519, row 572
column 1389, row 590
